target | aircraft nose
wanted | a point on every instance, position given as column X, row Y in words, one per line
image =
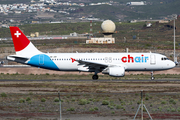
column 172, row 64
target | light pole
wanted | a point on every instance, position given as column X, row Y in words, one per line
column 175, row 60
column 60, row 117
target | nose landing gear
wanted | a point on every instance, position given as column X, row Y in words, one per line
column 152, row 77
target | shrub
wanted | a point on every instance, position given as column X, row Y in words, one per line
column 178, row 109
column 56, row 99
column 105, row 102
column 28, row 99
column 173, row 110
column 138, row 102
column 111, row 107
column 43, row 100
column 163, row 102
column 172, row 101
column 21, row 100
column 82, row 102
column 90, row 99
column 160, row 108
column 168, row 109
column 123, row 103
column 91, row 109
column 119, row 107
column 71, row 109
column 73, row 99
column 3, row 94
column 151, row 105
column 96, row 108
column 147, row 98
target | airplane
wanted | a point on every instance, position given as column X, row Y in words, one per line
column 113, row 64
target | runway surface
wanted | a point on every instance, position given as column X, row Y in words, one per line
column 10, row 80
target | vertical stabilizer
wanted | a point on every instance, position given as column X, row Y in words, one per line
column 22, row 45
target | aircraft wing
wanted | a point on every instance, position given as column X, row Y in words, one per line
column 88, row 65
column 17, row 58
column 91, row 64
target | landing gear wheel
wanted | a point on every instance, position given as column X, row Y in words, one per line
column 152, row 78
column 95, row 77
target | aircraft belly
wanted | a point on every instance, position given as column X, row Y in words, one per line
column 138, row 67
column 67, row 66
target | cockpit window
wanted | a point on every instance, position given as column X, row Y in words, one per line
column 164, row 58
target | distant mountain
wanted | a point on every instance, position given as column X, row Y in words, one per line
column 14, row 1
column 154, row 9
column 118, row 10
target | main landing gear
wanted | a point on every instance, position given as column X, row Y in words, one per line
column 152, row 77
column 95, row 77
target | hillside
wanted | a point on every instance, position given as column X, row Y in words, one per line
column 159, row 36
column 13, row 1
column 154, row 9
column 118, row 11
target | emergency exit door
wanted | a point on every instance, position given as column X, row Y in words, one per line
column 153, row 59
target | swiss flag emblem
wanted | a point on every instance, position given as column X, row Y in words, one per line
column 17, row 34
column 19, row 39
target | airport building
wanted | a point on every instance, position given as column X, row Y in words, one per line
column 136, row 3
column 108, row 28
column 101, row 40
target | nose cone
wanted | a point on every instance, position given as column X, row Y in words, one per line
column 172, row 64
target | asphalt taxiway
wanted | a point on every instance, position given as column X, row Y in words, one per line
column 84, row 80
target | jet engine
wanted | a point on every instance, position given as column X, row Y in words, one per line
column 116, row 71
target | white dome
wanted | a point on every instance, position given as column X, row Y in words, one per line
column 108, row 26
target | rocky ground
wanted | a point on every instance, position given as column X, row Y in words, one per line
column 88, row 100
column 85, row 100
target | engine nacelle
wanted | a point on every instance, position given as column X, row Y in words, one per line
column 116, row 71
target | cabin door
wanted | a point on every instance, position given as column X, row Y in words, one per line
column 153, row 59
column 41, row 59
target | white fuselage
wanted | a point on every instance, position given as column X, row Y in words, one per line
column 130, row 61
column 114, row 64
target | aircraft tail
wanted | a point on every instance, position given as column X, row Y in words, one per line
column 22, row 45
